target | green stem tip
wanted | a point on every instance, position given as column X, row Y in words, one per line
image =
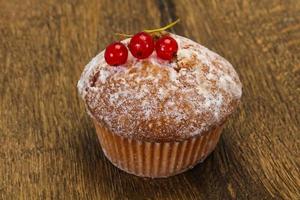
column 151, row 30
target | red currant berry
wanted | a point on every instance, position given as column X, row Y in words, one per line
column 141, row 45
column 116, row 54
column 166, row 47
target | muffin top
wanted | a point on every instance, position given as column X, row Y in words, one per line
column 157, row 100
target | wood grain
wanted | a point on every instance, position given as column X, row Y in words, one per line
column 49, row 149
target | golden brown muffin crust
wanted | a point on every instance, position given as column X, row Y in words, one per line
column 155, row 100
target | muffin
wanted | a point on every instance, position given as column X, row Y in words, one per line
column 157, row 118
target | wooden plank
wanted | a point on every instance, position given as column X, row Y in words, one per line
column 49, row 149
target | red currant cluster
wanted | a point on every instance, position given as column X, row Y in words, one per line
column 141, row 46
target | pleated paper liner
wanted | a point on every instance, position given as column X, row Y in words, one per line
column 153, row 159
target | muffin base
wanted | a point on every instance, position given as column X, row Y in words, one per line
column 156, row 159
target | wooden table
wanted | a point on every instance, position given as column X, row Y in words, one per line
column 48, row 145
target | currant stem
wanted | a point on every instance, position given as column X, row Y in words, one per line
column 162, row 28
column 151, row 30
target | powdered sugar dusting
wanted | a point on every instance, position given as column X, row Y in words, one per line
column 157, row 100
column 173, row 75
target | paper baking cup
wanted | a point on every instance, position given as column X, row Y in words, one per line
column 156, row 159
